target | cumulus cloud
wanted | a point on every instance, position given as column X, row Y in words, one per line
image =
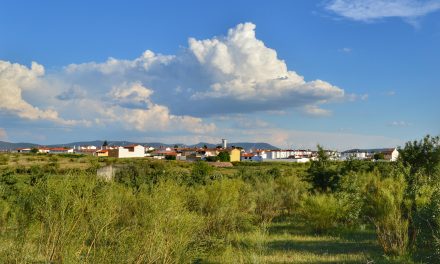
column 370, row 10
column 16, row 78
column 74, row 92
column 228, row 74
column 235, row 73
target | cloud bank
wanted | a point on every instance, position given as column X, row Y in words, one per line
column 370, row 10
column 235, row 73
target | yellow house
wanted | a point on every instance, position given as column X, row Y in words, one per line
column 102, row 153
column 234, row 155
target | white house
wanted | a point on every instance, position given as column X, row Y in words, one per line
column 131, row 151
column 58, row 150
column 391, row 154
column 353, row 154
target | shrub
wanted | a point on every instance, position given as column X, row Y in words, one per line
column 351, row 194
column 200, row 173
column 4, row 158
column 227, row 206
column 268, row 201
column 321, row 211
column 291, row 190
column 386, row 206
column 433, row 224
column 224, row 156
column 212, row 158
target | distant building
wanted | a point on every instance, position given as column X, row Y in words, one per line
column 354, row 154
column 391, row 154
column 131, row 151
column 234, row 154
column 247, row 156
column 102, row 153
column 59, row 150
column 224, row 143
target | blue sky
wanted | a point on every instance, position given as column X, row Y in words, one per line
column 361, row 73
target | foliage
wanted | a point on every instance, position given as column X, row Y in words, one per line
column 200, row 173
column 54, row 209
column 34, row 150
column 322, row 175
column 224, row 156
column 379, row 156
column 212, row 159
column 170, row 157
column 4, row 159
column 423, row 155
column 386, row 205
column 321, row 211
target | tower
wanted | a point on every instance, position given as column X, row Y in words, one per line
column 224, row 143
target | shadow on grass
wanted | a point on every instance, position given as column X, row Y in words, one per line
column 322, row 247
column 296, row 236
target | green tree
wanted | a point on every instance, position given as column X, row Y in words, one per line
column 321, row 174
column 200, row 173
column 421, row 163
column 422, row 156
column 34, row 150
column 378, row 156
column 224, row 156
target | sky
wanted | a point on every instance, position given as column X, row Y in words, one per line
column 340, row 73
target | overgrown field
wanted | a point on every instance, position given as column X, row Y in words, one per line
column 54, row 209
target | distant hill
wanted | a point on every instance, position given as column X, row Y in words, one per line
column 8, row 146
column 376, row 150
column 244, row 145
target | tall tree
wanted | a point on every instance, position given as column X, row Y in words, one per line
column 321, row 174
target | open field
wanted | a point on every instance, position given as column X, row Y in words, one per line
column 54, row 208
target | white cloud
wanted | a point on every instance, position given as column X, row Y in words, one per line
column 3, row 134
column 131, row 95
column 74, row 92
column 231, row 74
column 346, row 50
column 220, row 76
column 400, row 124
column 370, row 10
column 16, row 78
column 314, row 110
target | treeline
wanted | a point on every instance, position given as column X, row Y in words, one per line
column 166, row 212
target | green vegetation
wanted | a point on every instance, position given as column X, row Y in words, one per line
column 54, row 209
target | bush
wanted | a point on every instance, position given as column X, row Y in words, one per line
column 321, row 211
column 351, row 194
column 291, row 190
column 200, row 173
column 433, row 224
column 4, row 158
column 227, row 206
column 224, row 156
column 268, row 201
column 386, row 205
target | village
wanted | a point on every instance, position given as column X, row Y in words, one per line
column 222, row 152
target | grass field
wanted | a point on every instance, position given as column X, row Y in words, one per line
column 249, row 213
column 291, row 241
